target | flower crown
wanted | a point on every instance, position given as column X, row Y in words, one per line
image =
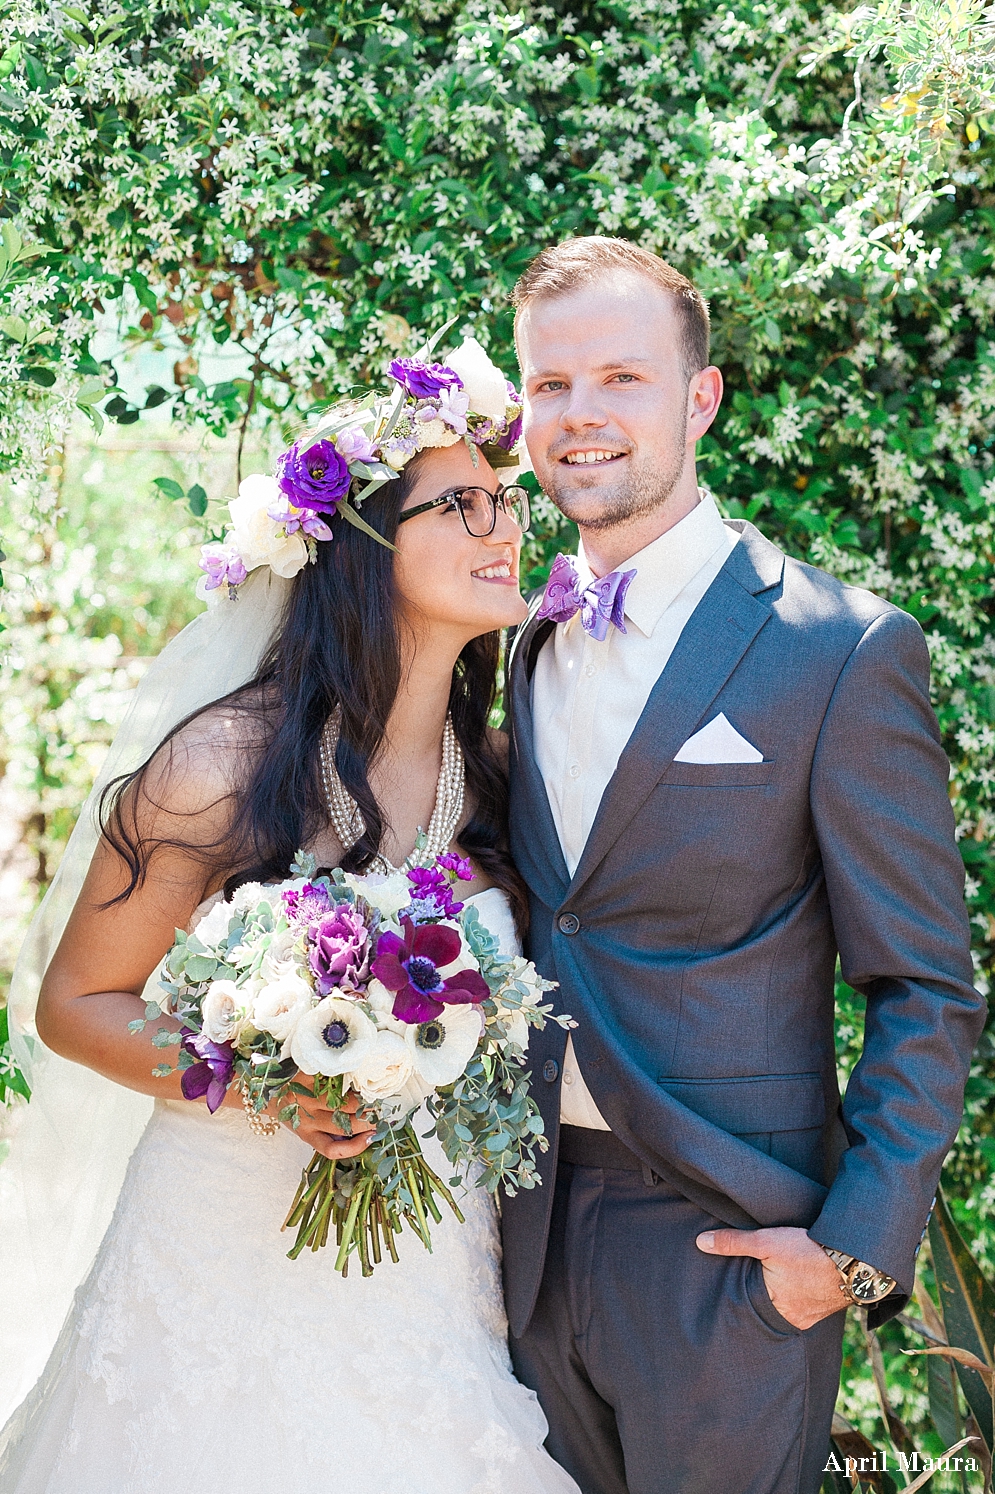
column 355, row 448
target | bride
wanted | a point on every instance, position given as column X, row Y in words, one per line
column 195, row 1351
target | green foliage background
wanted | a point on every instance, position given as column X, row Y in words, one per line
column 312, row 187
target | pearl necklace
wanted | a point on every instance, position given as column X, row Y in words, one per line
column 347, row 820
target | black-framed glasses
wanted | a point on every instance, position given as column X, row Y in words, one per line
column 479, row 509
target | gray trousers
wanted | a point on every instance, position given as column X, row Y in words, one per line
column 662, row 1370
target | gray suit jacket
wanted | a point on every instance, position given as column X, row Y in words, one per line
column 696, row 943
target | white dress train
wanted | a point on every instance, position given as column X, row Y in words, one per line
column 198, row 1356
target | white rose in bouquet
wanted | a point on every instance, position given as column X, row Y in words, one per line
column 258, row 538
column 332, row 1037
column 441, row 1049
column 279, row 1006
column 213, row 927
column 483, row 380
column 383, row 1070
column 223, row 1011
column 388, row 894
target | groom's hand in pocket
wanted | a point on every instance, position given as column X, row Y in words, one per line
column 322, row 1128
column 801, row 1280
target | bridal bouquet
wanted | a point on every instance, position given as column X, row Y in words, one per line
column 381, row 986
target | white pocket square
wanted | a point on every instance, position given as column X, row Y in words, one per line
column 718, row 742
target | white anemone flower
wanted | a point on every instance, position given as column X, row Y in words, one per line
column 279, row 1006
column 224, row 1011
column 483, row 380
column 332, row 1037
column 441, row 1049
column 384, row 1069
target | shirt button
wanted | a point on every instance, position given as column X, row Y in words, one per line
column 568, row 923
column 574, row 770
column 550, row 1069
column 590, row 670
column 568, row 1077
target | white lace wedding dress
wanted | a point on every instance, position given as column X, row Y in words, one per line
column 198, row 1356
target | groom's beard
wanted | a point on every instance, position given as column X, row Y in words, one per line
column 638, row 490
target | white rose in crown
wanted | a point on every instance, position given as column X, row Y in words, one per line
column 258, row 538
column 384, row 1069
column 224, row 1012
column 483, row 381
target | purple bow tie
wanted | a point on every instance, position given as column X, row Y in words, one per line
column 599, row 604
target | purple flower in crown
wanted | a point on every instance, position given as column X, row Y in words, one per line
column 212, row 1076
column 423, row 380
column 355, row 445
column 453, row 406
column 306, row 904
column 411, row 967
column 314, row 477
column 283, row 512
column 512, row 435
column 340, row 944
column 221, row 564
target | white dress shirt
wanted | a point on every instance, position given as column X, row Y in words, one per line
column 587, row 697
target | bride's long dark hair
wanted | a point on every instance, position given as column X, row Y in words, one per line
column 339, row 646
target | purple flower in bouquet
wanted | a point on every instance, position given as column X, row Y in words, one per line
column 431, row 895
column 423, row 380
column 410, row 968
column 314, row 477
column 340, row 944
column 210, row 1077
column 460, row 866
column 306, row 904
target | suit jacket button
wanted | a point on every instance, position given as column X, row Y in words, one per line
column 550, row 1069
column 568, row 923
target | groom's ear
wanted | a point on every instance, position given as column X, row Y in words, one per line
column 704, row 398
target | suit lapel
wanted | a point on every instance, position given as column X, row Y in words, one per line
column 535, row 842
column 717, row 635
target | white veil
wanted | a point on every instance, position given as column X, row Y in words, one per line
column 59, row 1185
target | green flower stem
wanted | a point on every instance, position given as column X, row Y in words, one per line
column 348, row 1230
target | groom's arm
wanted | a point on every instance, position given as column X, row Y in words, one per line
column 895, row 882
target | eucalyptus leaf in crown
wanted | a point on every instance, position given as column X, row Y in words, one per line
column 356, row 447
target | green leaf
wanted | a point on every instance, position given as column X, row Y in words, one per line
column 197, row 500
column 45, row 377
column 968, row 1305
column 156, row 396
column 348, row 512
column 168, row 486
column 200, row 968
column 15, row 327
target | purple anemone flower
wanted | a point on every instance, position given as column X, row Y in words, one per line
column 315, row 477
column 410, row 968
column 340, row 945
column 210, row 1077
column 424, row 380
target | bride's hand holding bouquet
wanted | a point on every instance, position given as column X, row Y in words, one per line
column 339, row 1005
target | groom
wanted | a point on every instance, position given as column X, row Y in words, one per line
column 725, row 770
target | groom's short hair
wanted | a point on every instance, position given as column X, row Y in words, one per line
column 565, row 267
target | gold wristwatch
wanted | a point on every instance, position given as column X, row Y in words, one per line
column 862, row 1285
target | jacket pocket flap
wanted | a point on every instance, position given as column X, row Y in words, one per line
column 766, row 1102
column 719, row 775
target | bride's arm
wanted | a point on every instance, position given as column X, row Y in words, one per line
column 93, row 986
